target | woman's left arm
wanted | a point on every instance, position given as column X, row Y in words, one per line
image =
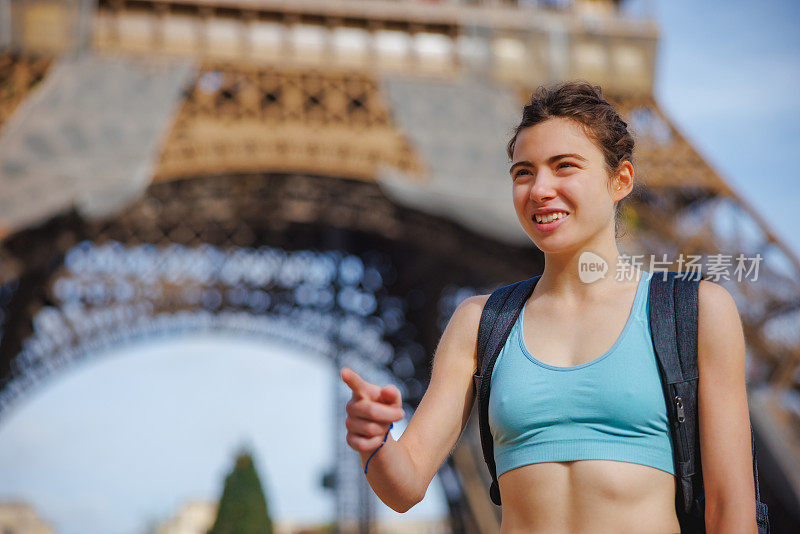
column 724, row 418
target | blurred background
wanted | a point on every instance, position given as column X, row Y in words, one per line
column 208, row 207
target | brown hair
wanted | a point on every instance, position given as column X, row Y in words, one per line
column 583, row 103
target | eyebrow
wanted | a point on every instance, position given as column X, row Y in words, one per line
column 550, row 160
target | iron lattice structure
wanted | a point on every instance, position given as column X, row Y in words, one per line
column 306, row 192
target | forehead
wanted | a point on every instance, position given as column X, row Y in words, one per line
column 554, row 136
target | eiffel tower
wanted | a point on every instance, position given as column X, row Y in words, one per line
column 314, row 171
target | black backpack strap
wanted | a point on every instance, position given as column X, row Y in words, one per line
column 491, row 310
column 497, row 319
column 664, row 308
column 686, row 298
column 673, row 301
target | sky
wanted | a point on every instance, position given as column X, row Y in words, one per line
column 126, row 438
column 728, row 76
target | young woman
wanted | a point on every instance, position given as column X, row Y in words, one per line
column 576, row 407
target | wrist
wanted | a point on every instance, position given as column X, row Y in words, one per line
column 372, row 453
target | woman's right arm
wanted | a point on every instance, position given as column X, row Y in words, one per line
column 401, row 471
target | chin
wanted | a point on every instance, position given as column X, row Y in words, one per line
column 547, row 244
column 552, row 249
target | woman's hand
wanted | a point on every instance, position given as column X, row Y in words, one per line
column 370, row 411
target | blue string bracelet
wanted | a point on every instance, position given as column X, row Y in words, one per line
column 379, row 446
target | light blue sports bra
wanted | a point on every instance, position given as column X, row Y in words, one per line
column 610, row 408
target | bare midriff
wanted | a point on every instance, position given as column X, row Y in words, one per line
column 588, row 496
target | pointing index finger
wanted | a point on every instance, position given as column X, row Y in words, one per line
column 354, row 382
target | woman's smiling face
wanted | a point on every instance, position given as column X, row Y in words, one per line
column 556, row 166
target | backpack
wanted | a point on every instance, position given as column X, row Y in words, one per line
column 673, row 312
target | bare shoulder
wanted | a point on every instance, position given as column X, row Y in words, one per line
column 459, row 340
column 720, row 333
column 456, row 352
column 716, row 304
column 471, row 308
column 474, row 302
column 466, row 318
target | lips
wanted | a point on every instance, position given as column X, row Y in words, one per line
column 552, row 225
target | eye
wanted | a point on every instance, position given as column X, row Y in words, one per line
column 564, row 163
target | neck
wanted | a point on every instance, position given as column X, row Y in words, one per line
column 585, row 271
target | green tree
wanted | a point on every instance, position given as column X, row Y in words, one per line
column 242, row 507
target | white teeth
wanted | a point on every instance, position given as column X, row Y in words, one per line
column 542, row 219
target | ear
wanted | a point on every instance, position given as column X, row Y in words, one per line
column 622, row 183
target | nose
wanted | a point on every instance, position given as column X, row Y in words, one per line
column 542, row 188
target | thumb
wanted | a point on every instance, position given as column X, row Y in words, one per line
column 390, row 394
